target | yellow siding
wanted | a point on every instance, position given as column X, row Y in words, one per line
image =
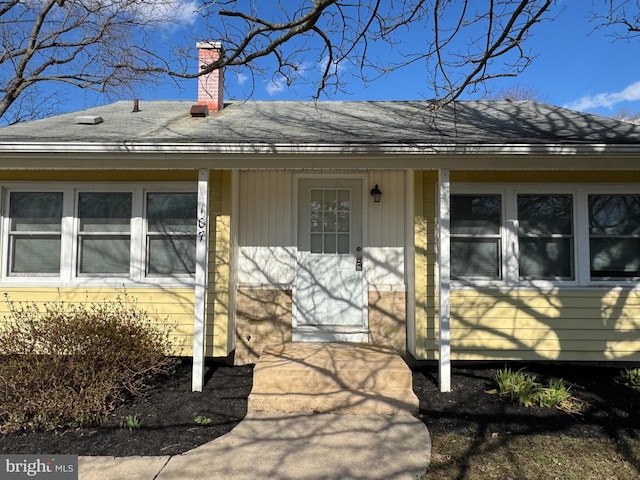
column 100, row 176
column 594, row 324
column 573, row 324
column 218, row 337
column 424, row 238
column 173, row 307
column 545, row 177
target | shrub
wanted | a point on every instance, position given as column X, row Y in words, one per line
column 518, row 385
column 69, row 364
column 631, row 377
column 201, row 420
column 523, row 388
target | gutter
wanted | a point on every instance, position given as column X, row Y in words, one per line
column 323, row 148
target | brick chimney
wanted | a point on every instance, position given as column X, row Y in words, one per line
column 211, row 85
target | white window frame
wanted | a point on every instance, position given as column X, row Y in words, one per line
column 6, row 232
column 78, row 233
column 146, row 234
column 509, row 232
column 500, row 236
column 515, row 229
column 69, row 275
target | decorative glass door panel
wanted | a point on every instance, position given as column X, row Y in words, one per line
column 330, row 225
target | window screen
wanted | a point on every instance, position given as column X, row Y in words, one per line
column 614, row 236
column 171, row 233
column 545, row 236
column 475, row 236
column 104, row 233
column 35, row 232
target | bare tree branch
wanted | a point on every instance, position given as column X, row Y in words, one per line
column 621, row 18
column 87, row 43
column 109, row 45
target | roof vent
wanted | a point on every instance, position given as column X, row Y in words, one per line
column 199, row 111
column 88, row 119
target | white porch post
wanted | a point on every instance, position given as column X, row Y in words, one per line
column 202, row 267
column 444, row 263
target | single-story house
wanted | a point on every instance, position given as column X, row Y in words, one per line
column 480, row 230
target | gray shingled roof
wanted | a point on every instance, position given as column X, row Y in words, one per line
column 330, row 123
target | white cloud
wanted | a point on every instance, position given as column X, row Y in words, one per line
column 241, row 78
column 607, row 100
column 276, row 86
column 175, row 12
column 336, row 67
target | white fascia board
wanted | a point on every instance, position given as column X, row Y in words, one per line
column 308, row 148
column 149, row 156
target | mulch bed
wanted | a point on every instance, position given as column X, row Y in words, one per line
column 167, row 419
column 612, row 407
column 168, row 427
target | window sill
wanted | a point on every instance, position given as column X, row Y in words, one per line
column 95, row 282
column 543, row 286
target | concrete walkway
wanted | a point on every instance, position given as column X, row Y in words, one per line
column 288, row 446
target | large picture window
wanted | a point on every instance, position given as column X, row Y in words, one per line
column 35, row 233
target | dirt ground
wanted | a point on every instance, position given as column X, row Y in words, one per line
column 168, row 413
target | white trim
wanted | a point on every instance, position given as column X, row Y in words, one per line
column 418, row 148
column 581, row 245
column 444, row 264
column 202, row 267
column 330, row 334
column 410, row 260
column 235, row 252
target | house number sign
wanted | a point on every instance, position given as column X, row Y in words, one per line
column 202, row 225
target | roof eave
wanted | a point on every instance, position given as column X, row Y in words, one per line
column 326, row 148
column 229, row 156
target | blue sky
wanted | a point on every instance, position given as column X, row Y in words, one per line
column 576, row 67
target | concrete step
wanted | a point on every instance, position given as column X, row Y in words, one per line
column 331, row 378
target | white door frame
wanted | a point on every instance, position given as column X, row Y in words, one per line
column 360, row 335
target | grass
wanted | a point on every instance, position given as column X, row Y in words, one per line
column 532, row 457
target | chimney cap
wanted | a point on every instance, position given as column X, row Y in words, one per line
column 209, row 45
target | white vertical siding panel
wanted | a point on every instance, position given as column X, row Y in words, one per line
column 265, row 253
column 386, row 219
column 386, row 229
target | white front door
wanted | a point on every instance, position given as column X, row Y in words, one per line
column 329, row 291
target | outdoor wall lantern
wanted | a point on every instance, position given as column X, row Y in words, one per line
column 376, row 194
